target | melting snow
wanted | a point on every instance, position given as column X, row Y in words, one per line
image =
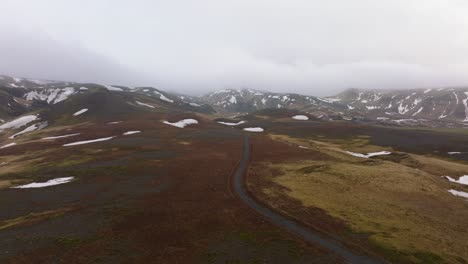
column 419, row 111
column 50, row 95
column 147, row 105
column 52, row 182
column 64, row 136
column 87, row 141
column 458, row 193
column 253, row 129
column 231, row 124
column 300, row 117
column 131, row 132
column 115, row 122
column 462, row 180
column 30, row 128
column 182, row 123
column 19, row 122
column 372, row 107
column 233, row 99
column 402, row 109
column 7, row 145
column 162, row 97
column 112, row 88
column 465, row 102
column 368, row 155
column 84, row 110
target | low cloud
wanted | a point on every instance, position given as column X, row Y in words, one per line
column 311, row 47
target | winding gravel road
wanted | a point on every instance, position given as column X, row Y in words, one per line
column 293, row 227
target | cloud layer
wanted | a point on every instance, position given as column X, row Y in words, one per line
column 192, row 47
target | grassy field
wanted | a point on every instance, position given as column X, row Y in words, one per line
column 399, row 202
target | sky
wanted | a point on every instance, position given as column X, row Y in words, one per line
column 187, row 46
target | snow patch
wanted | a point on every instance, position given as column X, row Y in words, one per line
column 52, row 182
column 300, row 117
column 419, row 111
column 7, row 145
column 37, row 126
column 182, row 123
column 253, row 129
column 87, row 141
column 368, row 155
column 50, row 95
column 131, row 132
column 64, row 136
column 462, row 180
column 19, row 122
column 458, row 193
column 231, row 124
column 147, row 105
column 162, row 97
column 112, row 88
column 84, row 110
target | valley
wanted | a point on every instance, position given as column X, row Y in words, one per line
column 93, row 173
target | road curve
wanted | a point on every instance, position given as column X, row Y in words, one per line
column 293, row 227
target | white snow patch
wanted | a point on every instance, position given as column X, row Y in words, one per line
column 50, row 95
column 368, row 155
column 329, row 100
column 30, row 128
column 458, row 193
column 231, row 124
column 162, row 97
column 372, row 107
column 87, row 141
column 83, row 88
column 194, row 104
column 112, row 88
column 462, row 180
column 300, row 117
column 7, row 145
column 115, row 122
column 402, row 109
column 419, row 111
column 382, row 118
column 63, row 136
column 182, row 123
column 131, row 132
column 84, row 110
column 147, row 105
column 253, row 129
column 233, row 99
column 428, row 90
column 52, row 182
column 19, row 122
column 465, row 102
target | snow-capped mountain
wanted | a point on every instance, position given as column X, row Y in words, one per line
column 440, row 107
column 446, row 104
column 248, row 100
column 21, row 95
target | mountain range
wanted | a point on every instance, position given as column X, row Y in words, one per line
column 446, row 107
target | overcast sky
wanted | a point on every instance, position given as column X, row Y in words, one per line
column 195, row 46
